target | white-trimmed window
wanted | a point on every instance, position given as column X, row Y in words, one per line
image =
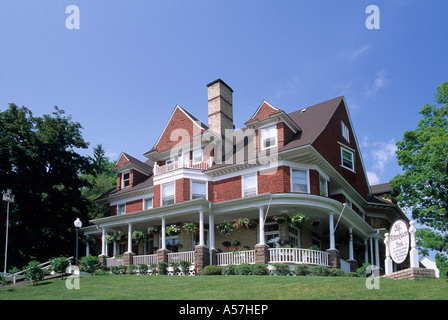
column 167, row 194
column 197, row 156
column 299, row 180
column 198, row 189
column 347, row 159
column 271, row 234
column 268, row 137
column 148, row 203
column 121, row 209
column 323, row 186
column 126, row 179
column 345, row 132
column 249, row 185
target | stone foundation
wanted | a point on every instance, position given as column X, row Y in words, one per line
column 334, row 258
column 353, row 265
column 261, row 253
column 413, row 274
column 201, row 258
column 128, row 258
column 102, row 258
column 162, row 255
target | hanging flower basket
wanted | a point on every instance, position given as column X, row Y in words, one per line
column 315, row 223
column 298, row 219
column 121, row 237
column 173, row 230
column 279, row 219
column 244, row 223
column 139, row 236
column 224, row 228
column 110, row 239
column 188, row 227
column 152, row 230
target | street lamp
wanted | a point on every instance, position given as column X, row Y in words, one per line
column 9, row 198
column 78, row 224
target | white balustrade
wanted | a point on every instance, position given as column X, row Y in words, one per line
column 181, row 256
column 145, row 259
column 226, row 258
column 298, row 256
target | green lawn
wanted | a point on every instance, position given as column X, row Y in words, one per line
column 123, row 287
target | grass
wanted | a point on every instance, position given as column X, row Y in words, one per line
column 131, row 287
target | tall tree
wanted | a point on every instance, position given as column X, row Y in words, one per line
column 39, row 162
column 423, row 185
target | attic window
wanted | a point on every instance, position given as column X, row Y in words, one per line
column 345, row 132
column 269, row 137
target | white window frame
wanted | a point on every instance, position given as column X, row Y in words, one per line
column 198, row 181
column 145, row 207
column 123, row 179
column 345, row 132
column 307, row 179
column 296, row 238
column 122, row 205
column 161, row 193
column 323, row 180
column 263, row 137
column 353, row 159
column 243, row 178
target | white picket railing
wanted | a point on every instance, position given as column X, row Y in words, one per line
column 298, row 256
column 145, row 259
column 112, row 262
column 181, row 256
column 181, row 163
column 226, row 258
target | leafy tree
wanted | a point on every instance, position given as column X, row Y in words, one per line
column 39, row 162
column 423, row 185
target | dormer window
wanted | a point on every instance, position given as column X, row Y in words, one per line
column 197, row 156
column 126, row 179
column 268, row 137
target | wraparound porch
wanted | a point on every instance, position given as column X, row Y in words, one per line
column 208, row 246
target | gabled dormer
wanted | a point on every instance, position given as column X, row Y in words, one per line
column 273, row 127
column 130, row 171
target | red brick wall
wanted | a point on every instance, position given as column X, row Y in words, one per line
column 137, row 177
column 226, row 189
column 182, row 190
column 113, row 210
column 274, row 180
column 156, row 199
column 314, row 182
column 134, row 206
column 285, row 134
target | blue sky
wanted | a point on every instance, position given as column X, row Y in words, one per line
column 123, row 72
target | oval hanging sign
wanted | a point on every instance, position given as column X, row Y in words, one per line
column 399, row 241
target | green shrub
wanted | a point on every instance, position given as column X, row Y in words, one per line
column 229, row 270
column 243, row 269
column 185, row 266
column 260, row 269
column 361, row 271
column 142, row 268
column 2, row 280
column 152, row 268
column 351, row 274
column 176, row 267
column 212, row 270
column 118, row 269
column 163, row 268
column 301, row 270
column 59, row 265
column 133, row 269
column 34, row 272
column 89, row 263
column 281, row 269
column 320, row 271
column 336, row 273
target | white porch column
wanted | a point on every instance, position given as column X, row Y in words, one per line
column 377, row 252
column 87, row 245
column 103, row 242
column 261, row 224
column 413, row 254
column 366, row 252
column 331, row 227
column 201, row 228
column 129, row 237
column 163, row 234
column 350, row 245
column 211, row 231
column 115, row 244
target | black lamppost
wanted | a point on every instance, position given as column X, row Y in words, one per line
column 9, row 198
column 78, row 224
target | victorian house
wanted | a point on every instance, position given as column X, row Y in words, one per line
column 286, row 188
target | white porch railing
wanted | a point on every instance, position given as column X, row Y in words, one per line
column 181, row 256
column 183, row 164
column 298, row 256
column 112, row 262
column 226, row 258
column 145, row 259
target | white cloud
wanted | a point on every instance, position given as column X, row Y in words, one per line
column 383, row 154
column 353, row 54
column 379, row 82
column 373, row 178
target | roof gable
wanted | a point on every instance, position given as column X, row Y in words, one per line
column 181, row 127
column 264, row 111
column 125, row 162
